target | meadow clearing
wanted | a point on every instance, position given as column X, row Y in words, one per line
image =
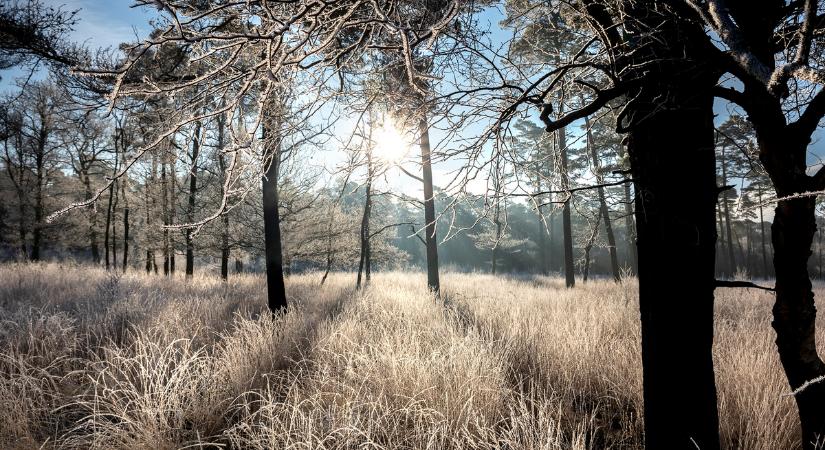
column 89, row 359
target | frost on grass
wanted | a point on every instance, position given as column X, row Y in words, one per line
column 93, row 360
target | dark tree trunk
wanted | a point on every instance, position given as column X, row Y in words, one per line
column 430, row 238
column 603, row 209
column 225, row 218
column 108, row 224
column 37, row 231
column 671, row 148
column 276, row 291
column 173, row 207
column 225, row 248
column 164, row 207
column 364, row 260
column 125, row 238
column 675, row 216
column 193, row 191
column 567, row 230
column 238, row 266
column 794, row 313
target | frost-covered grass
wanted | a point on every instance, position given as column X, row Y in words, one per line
column 92, row 360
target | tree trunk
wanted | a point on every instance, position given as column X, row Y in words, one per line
column 364, row 260
column 430, row 238
column 193, row 191
column 732, row 266
column 225, row 224
column 108, row 224
column 164, row 211
column 794, row 312
column 604, row 211
column 671, row 148
column 276, row 291
column 173, row 207
column 37, row 232
column 93, row 243
column 125, row 237
column 569, row 269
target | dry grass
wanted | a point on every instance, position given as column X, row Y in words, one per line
column 91, row 360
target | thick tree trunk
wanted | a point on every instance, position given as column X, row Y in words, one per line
column 276, row 291
column 430, row 238
column 567, row 230
column 603, row 209
column 193, row 192
column 671, row 148
column 794, row 313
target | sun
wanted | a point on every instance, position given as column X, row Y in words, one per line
column 390, row 144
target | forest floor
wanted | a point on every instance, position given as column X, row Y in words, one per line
column 94, row 360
